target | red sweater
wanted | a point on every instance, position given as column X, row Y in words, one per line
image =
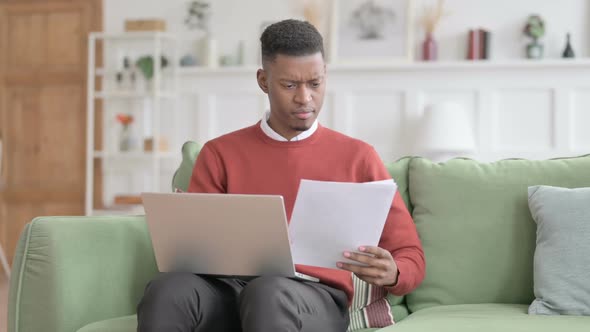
column 247, row 161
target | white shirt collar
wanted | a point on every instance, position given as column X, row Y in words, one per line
column 274, row 135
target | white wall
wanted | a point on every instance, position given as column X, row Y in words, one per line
column 236, row 20
column 517, row 108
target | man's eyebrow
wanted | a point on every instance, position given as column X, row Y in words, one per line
column 317, row 78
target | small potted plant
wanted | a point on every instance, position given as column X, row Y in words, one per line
column 198, row 15
column 145, row 65
column 535, row 29
column 198, row 18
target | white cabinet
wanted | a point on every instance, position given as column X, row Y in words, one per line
column 136, row 79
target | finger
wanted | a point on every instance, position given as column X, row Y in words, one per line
column 372, row 273
column 366, row 259
column 377, row 251
column 359, row 257
column 362, row 270
column 371, row 280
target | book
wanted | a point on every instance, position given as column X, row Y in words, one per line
column 478, row 44
column 485, row 44
column 472, row 45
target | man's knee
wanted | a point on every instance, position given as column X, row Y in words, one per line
column 266, row 289
column 268, row 285
column 172, row 286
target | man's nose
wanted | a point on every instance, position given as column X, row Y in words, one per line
column 303, row 95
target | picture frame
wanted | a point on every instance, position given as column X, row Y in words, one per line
column 371, row 31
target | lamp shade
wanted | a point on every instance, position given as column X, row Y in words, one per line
column 445, row 128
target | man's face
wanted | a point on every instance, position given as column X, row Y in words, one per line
column 295, row 86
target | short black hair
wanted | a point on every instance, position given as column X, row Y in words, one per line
column 290, row 37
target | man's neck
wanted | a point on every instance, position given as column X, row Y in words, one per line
column 267, row 127
column 288, row 136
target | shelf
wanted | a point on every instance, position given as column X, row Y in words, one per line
column 464, row 65
column 111, row 72
column 411, row 66
column 136, row 155
column 133, row 35
column 218, row 70
column 133, row 95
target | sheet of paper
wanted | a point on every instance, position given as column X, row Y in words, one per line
column 332, row 217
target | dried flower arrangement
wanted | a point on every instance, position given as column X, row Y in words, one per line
column 432, row 16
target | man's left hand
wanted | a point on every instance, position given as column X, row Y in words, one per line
column 381, row 269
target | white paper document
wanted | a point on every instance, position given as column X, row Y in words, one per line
column 332, row 217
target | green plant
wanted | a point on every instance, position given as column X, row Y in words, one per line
column 146, row 65
column 198, row 16
column 535, row 27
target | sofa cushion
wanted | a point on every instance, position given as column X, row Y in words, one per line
column 129, row 324
column 182, row 176
column 120, row 324
column 399, row 173
column 486, row 317
column 562, row 254
column 476, row 228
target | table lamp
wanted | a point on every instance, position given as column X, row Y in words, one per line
column 445, row 132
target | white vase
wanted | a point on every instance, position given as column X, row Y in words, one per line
column 125, row 139
column 207, row 50
column 212, row 57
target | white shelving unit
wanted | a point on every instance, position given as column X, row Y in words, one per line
column 132, row 100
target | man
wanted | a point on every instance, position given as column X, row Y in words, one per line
column 272, row 157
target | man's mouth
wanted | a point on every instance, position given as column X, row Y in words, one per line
column 304, row 115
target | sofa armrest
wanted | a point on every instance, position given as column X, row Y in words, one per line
column 71, row 271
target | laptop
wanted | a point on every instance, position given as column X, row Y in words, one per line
column 220, row 234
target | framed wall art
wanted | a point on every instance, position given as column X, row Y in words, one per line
column 371, row 31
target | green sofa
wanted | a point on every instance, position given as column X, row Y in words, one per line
column 87, row 274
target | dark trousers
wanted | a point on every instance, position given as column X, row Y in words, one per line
column 184, row 302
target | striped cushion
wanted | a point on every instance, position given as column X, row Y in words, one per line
column 369, row 307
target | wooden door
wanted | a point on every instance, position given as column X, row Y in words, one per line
column 43, row 66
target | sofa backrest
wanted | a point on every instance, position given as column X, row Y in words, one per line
column 182, row 176
column 399, row 173
column 190, row 151
column 476, row 228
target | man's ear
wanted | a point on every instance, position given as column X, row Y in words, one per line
column 262, row 80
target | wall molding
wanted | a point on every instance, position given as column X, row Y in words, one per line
column 519, row 108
